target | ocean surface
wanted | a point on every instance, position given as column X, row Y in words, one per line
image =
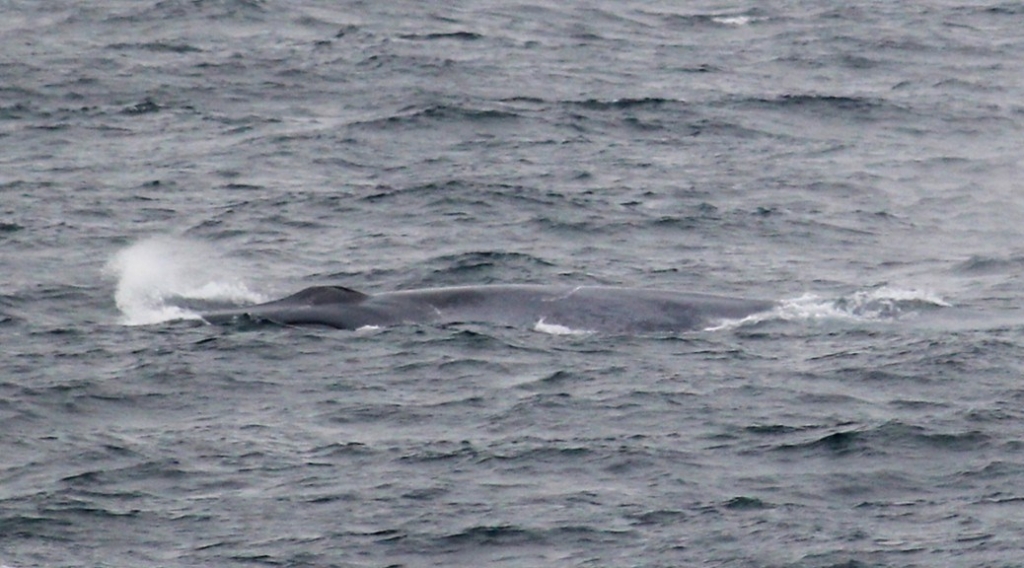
column 860, row 163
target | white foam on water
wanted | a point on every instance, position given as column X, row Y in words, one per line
column 732, row 20
column 877, row 304
column 555, row 329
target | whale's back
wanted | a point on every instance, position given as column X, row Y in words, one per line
column 583, row 308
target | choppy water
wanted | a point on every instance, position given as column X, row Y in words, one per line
column 860, row 163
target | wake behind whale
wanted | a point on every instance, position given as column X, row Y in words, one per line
column 581, row 308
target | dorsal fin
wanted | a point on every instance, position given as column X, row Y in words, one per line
column 320, row 295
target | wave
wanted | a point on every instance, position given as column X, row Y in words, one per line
column 439, row 114
column 710, row 20
column 863, row 108
column 625, row 103
column 887, row 438
column 458, row 35
column 979, row 265
column 155, row 47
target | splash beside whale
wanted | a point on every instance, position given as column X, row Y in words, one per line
column 602, row 309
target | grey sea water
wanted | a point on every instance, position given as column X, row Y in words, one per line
column 860, row 163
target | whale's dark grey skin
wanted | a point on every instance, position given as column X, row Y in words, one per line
column 579, row 308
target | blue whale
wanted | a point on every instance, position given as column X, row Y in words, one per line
column 580, row 308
